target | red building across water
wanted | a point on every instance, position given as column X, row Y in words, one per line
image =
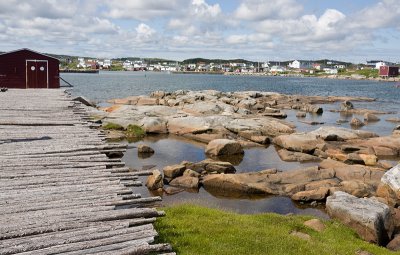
column 389, row 71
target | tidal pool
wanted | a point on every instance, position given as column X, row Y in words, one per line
column 171, row 150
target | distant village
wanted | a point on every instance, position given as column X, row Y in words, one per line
column 369, row 69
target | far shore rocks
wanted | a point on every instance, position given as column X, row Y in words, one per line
column 253, row 116
column 346, row 105
column 370, row 117
column 355, row 122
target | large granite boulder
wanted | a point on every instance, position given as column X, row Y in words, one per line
column 143, row 148
column 219, row 147
column 174, row 171
column 369, row 218
column 155, row 181
column 238, row 183
column 391, row 181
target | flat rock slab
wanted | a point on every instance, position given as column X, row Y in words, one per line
column 369, row 218
column 300, row 142
column 293, row 156
column 341, row 134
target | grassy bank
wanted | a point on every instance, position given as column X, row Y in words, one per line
column 198, row 230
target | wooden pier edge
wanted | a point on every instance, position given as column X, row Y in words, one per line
column 59, row 192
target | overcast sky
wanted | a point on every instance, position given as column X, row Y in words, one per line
column 353, row 30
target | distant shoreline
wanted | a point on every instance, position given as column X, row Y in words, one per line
column 78, row 71
column 299, row 75
column 332, row 76
column 196, row 72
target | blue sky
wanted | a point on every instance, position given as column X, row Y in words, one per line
column 258, row 30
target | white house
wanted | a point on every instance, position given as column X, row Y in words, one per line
column 277, row 69
column 127, row 65
column 340, row 66
column 191, row 67
column 107, row 63
column 81, row 63
column 237, row 64
column 330, row 70
column 265, row 65
column 379, row 64
column 298, row 64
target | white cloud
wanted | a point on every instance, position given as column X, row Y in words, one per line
column 52, row 9
column 194, row 27
column 263, row 9
column 143, row 10
column 383, row 14
column 259, row 39
column 308, row 28
column 144, row 33
column 205, row 11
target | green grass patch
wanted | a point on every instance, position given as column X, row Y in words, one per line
column 374, row 73
column 113, row 126
column 193, row 229
column 134, row 131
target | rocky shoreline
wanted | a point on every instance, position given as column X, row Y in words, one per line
column 349, row 164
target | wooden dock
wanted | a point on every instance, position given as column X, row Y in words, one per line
column 59, row 192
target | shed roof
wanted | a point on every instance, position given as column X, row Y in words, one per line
column 30, row 51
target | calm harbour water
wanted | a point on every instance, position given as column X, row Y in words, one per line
column 171, row 150
column 106, row 85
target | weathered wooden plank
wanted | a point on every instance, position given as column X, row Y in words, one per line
column 58, row 190
column 80, row 239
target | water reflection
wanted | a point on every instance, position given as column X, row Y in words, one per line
column 144, row 155
column 233, row 159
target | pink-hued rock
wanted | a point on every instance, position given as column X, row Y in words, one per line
column 219, row 147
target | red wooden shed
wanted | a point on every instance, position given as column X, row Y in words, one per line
column 389, row 71
column 25, row 69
